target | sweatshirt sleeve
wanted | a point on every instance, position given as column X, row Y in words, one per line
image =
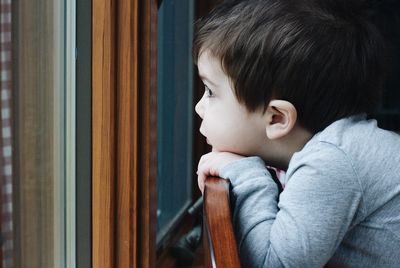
column 308, row 223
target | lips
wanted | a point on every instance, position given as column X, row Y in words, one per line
column 208, row 142
column 202, row 133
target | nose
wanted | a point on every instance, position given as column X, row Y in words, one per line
column 199, row 108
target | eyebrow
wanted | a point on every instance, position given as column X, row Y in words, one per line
column 204, row 78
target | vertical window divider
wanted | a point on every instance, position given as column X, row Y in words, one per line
column 70, row 144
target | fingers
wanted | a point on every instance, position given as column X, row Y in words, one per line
column 210, row 164
column 203, row 170
column 200, row 182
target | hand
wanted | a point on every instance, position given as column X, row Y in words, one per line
column 210, row 165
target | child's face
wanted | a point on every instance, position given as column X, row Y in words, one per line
column 227, row 124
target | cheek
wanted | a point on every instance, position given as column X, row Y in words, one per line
column 216, row 126
column 243, row 138
column 228, row 135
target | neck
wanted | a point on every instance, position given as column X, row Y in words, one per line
column 281, row 150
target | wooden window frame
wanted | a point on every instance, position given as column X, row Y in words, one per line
column 123, row 133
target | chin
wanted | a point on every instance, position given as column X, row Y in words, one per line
column 229, row 150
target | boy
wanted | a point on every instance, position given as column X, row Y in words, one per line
column 287, row 84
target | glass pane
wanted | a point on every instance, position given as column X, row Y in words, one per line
column 174, row 176
column 33, row 133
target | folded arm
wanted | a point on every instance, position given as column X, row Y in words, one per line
column 308, row 223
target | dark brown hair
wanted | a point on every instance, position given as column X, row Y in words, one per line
column 325, row 56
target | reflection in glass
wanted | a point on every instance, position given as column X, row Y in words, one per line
column 33, row 133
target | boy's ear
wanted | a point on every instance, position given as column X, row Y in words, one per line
column 281, row 118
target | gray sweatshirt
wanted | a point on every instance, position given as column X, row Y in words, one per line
column 340, row 206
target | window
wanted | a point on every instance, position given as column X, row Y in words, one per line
column 38, row 118
column 175, row 112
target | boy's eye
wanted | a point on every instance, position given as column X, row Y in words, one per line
column 208, row 91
